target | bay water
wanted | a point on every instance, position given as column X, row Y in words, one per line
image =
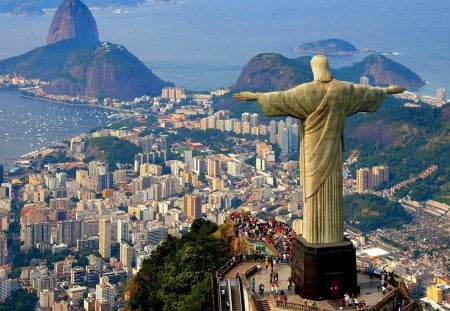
column 29, row 124
column 203, row 44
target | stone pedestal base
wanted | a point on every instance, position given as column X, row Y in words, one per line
column 324, row 271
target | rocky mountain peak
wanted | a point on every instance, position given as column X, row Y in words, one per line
column 73, row 20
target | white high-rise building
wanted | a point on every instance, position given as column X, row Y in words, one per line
column 198, row 165
column 3, row 248
column 260, row 164
column 123, row 230
column 364, row 81
column 294, row 139
column 441, row 97
column 187, row 158
column 105, row 291
column 245, row 117
column 234, row 168
column 229, row 124
column 254, row 119
column 157, row 234
column 281, row 126
column 120, row 176
column 273, row 132
column 173, row 93
column 62, row 179
column 289, row 121
column 5, row 288
column 285, row 141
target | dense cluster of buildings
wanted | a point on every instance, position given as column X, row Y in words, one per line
column 439, row 291
column 120, row 216
column 284, row 133
column 439, row 100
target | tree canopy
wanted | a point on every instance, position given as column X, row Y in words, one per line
column 369, row 212
column 408, row 141
column 177, row 276
column 20, row 300
column 115, row 150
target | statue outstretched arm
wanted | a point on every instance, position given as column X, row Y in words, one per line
column 246, row 96
column 395, row 89
column 292, row 102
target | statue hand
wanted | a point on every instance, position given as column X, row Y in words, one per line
column 247, row 96
column 395, row 89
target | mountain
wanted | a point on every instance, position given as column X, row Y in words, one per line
column 270, row 71
column 274, row 72
column 381, row 71
column 75, row 62
column 73, row 20
column 328, row 47
column 408, row 140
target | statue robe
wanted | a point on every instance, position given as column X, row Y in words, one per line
column 322, row 107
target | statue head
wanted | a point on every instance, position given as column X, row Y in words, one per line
column 321, row 69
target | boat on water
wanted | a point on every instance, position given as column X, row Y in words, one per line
column 23, row 163
column 14, row 169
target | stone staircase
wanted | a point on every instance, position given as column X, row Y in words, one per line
column 262, row 305
column 236, row 302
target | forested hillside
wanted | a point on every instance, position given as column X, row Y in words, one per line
column 177, row 276
column 408, row 140
column 368, row 212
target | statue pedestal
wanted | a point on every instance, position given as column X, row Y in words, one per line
column 324, row 271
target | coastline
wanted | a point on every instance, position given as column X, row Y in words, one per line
column 69, row 104
column 345, row 53
column 27, row 127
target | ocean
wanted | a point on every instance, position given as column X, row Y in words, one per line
column 203, row 44
column 29, row 124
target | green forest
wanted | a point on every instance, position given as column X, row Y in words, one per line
column 177, row 276
column 114, row 150
column 368, row 212
column 20, row 300
column 408, row 140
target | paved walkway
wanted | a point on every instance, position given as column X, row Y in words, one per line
column 369, row 292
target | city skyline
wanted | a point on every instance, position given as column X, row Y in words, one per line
column 119, row 213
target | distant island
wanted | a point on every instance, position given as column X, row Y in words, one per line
column 328, row 47
column 335, row 47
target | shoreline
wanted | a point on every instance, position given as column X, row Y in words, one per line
column 346, row 53
column 32, row 146
column 68, row 104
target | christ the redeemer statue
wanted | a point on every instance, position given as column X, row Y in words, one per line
column 322, row 106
